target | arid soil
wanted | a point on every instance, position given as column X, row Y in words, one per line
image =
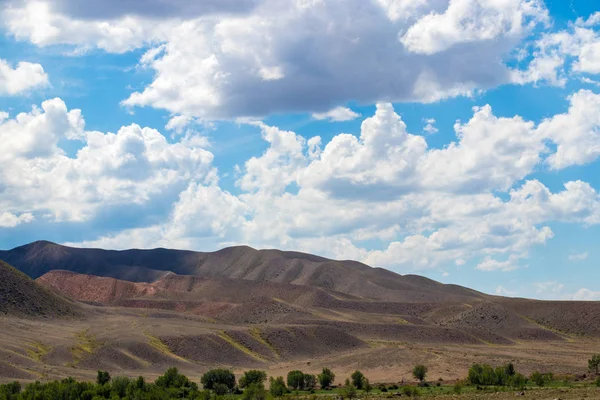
column 238, row 318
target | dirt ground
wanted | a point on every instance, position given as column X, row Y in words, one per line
column 133, row 342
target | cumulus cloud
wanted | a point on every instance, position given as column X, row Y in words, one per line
column 337, row 114
column 467, row 21
column 429, row 127
column 276, row 57
column 21, row 78
column 127, row 167
column 558, row 54
column 9, row 220
column 576, row 133
column 327, row 198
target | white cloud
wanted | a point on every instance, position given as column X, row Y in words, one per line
column 22, row 78
column 271, row 58
column 128, row 167
column 576, row 133
column 552, row 287
column 490, row 264
column 430, row 126
column 325, row 198
column 178, row 123
column 337, row 114
column 8, row 220
column 586, row 295
column 502, row 291
column 466, row 21
column 578, row 257
column 558, row 54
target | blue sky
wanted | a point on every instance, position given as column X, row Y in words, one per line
column 457, row 139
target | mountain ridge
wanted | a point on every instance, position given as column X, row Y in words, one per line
column 238, row 262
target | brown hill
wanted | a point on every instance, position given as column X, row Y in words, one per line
column 20, row 296
column 239, row 262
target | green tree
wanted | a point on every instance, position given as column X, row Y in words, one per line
column 348, row 391
column 541, row 379
column 252, row 376
column 220, row 389
column 295, row 380
column 357, row 379
column 216, row 377
column 326, row 378
column 366, row 385
column 277, row 387
column 255, row 391
column 102, row 377
column 420, row 372
column 594, row 364
column 518, row 381
column 509, row 369
column 310, row 382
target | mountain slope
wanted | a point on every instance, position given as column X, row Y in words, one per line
column 239, row 262
column 20, row 296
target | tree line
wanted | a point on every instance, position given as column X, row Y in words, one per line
column 220, row 382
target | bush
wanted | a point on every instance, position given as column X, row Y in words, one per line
column 223, row 377
column 485, row 375
column 326, row 378
column 541, row 379
column 252, row 376
column 410, row 391
column 594, row 364
column 310, row 382
column 597, row 381
column 382, row 388
column 458, row 387
column 420, row 372
column 255, row 391
column 102, row 377
column 348, row 391
column 277, row 387
column 366, row 385
column 518, row 381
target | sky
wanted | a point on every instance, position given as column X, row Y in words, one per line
column 455, row 139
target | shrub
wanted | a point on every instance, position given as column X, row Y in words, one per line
column 382, row 388
column 220, row 389
column 594, row 364
column 278, row 388
column 172, row 379
column 541, row 379
column 348, row 391
column 326, row 378
column 310, row 382
column 518, row 381
column 102, row 377
column 255, row 391
column 216, row 377
column 366, row 385
column 420, row 372
column 410, row 391
column 252, row 376
column 597, row 381
column 484, row 375
column 458, row 387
